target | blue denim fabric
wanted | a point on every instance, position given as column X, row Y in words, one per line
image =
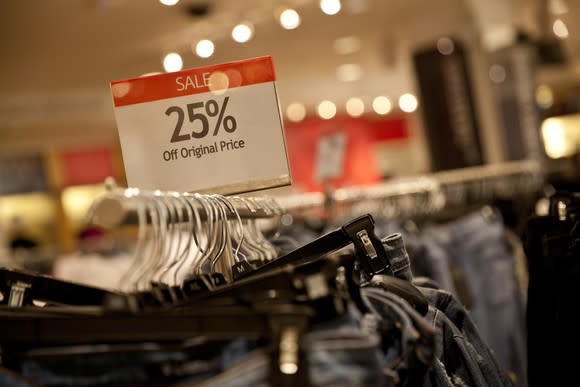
column 448, row 314
column 397, row 255
column 444, row 303
column 475, row 246
column 98, row 369
column 339, row 352
column 430, row 259
column 10, row 378
column 456, row 353
column 392, row 318
column 413, row 352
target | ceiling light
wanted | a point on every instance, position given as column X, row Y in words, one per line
column 330, row 7
column 172, row 62
column 326, row 110
column 560, row 29
column 349, row 72
column 243, row 32
column 408, row 103
column 296, row 112
column 382, row 105
column 289, row 19
column 497, row 73
column 169, row 2
column 355, row 107
column 445, row 46
column 204, row 48
column 544, row 96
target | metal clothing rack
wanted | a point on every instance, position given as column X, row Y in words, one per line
column 414, row 195
column 430, row 193
column 120, row 206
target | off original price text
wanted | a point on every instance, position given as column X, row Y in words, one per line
column 203, row 150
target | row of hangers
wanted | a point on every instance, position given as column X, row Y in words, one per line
column 189, row 234
column 186, row 234
column 425, row 195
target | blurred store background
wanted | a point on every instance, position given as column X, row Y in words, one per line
column 388, row 88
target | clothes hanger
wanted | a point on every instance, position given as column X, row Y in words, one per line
column 359, row 232
column 188, row 229
column 158, row 216
column 182, row 222
column 207, row 233
column 189, row 260
column 170, row 242
column 237, row 262
column 126, row 281
column 256, row 249
column 222, row 254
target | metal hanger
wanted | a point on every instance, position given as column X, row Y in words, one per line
column 235, row 258
column 187, row 260
column 187, row 228
column 127, row 280
column 214, row 242
column 158, row 215
column 172, row 241
column 223, row 254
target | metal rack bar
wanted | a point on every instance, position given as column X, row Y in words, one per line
column 120, row 207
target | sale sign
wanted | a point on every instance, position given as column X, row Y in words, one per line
column 211, row 129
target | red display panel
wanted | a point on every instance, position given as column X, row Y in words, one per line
column 86, row 166
column 359, row 162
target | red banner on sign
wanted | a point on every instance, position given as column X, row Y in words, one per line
column 193, row 81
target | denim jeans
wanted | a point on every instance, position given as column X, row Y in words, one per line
column 447, row 314
column 398, row 256
column 10, row 378
column 112, row 366
column 477, row 255
column 339, row 353
column 99, row 369
column 411, row 352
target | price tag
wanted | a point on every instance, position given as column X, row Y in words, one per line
column 211, row 129
column 330, row 156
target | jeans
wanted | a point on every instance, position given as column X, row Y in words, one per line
column 450, row 317
column 462, row 354
column 484, row 278
column 339, row 353
column 112, row 366
column 408, row 340
column 99, row 369
column 9, row 378
column 398, row 256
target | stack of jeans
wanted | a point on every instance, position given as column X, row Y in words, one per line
column 391, row 344
column 462, row 356
column 386, row 341
column 471, row 259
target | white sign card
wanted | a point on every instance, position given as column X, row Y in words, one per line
column 212, row 129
